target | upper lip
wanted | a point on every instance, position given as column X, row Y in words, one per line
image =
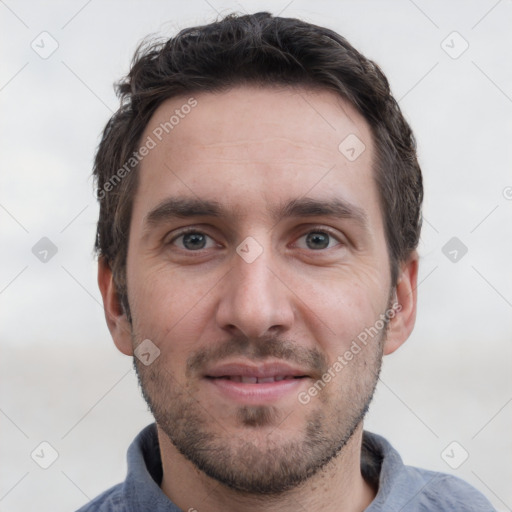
column 261, row 371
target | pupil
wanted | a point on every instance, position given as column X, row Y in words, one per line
column 193, row 241
column 319, row 240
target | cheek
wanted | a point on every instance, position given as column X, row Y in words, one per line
column 169, row 309
column 346, row 303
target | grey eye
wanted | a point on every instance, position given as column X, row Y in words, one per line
column 317, row 240
column 194, row 241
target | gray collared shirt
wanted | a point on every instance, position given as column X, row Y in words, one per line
column 400, row 488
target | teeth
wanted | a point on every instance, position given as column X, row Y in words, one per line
column 257, row 380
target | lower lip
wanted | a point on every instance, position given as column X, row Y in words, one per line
column 256, row 393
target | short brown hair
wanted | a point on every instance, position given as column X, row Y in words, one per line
column 263, row 50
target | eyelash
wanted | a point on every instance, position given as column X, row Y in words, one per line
column 318, row 229
column 186, row 232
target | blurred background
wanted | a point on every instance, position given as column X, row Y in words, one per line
column 445, row 398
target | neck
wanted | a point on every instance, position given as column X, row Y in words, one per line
column 339, row 486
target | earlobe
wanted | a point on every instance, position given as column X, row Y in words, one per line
column 117, row 322
column 402, row 323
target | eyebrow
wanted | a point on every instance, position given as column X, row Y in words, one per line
column 184, row 207
column 333, row 207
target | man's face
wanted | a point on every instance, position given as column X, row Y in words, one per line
column 252, row 297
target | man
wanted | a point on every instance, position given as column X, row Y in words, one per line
column 260, row 205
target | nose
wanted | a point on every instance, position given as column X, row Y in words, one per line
column 255, row 301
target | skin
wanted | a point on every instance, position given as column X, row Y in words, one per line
column 252, row 150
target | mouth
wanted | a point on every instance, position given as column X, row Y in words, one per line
column 256, row 380
column 250, row 383
column 251, row 373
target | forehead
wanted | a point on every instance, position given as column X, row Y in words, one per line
column 249, row 143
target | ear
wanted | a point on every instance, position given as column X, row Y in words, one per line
column 118, row 324
column 402, row 323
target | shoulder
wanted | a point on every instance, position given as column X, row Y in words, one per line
column 446, row 492
column 109, row 501
column 412, row 489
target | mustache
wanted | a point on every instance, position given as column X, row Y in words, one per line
column 310, row 359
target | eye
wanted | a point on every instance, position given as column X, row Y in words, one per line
column 318, row 239
column 192, row 240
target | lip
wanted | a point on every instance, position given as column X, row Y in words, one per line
column 290, row 379
column 260, row 371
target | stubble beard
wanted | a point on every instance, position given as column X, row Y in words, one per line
column 249, row 462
